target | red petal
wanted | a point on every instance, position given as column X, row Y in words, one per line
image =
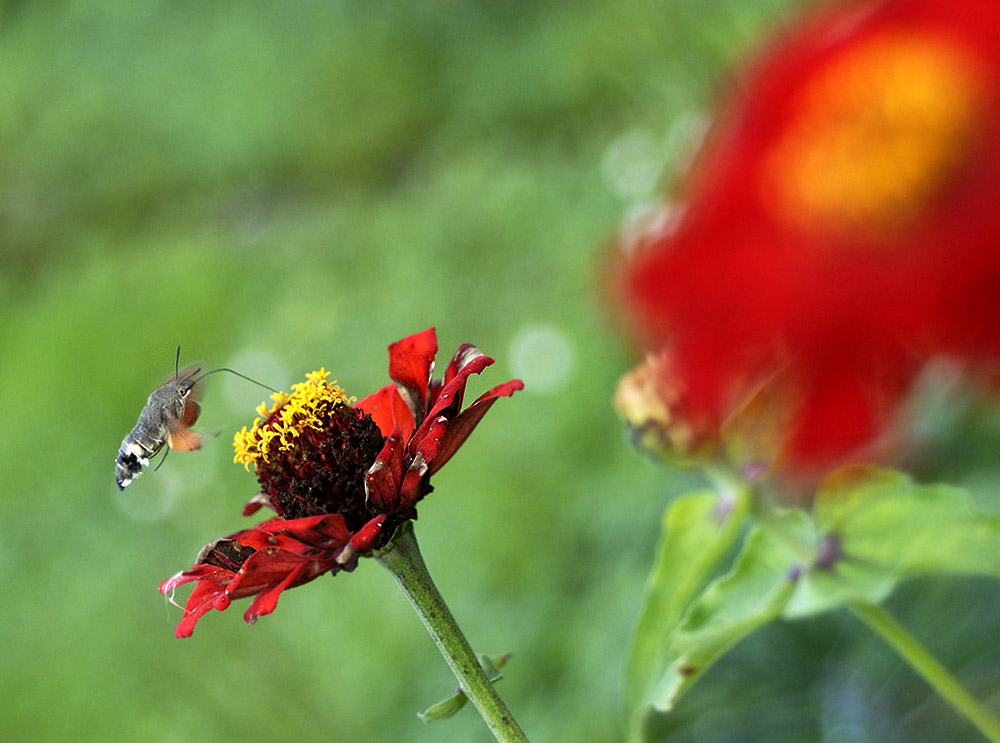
column 840, row 416
column 267, row 569
column 212, row 583
column 325, row 532
column 198, row 572
column 385, row 476
column 256, row 503
column 467, row 360
column 362, row 540
column 460, row 427
column 423, row 458
column 463, row 356
column 287, row 554
column 449, row 401
column 200, row 602
column 389, row 411
column 411, row 361
column 360, row 543
column 266, row 601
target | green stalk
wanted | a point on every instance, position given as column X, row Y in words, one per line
column 403, row 559
column 942, row 681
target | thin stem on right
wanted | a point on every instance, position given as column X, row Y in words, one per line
column 921, row 660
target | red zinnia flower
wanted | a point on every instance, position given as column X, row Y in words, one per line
column 340, row 476
column 842, row 225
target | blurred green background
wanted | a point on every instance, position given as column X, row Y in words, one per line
column 278, row 187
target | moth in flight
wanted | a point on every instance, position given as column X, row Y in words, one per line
column 170, row 412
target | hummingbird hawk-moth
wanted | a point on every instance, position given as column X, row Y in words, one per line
column 166, row 419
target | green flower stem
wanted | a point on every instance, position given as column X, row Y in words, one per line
column 403, row 559
column 943, row 682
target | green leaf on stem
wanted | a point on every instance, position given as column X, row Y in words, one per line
column 877, row 527
column 698, row 530
column 450, row 705
column 749, row 596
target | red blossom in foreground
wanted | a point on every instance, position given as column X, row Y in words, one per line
column 340, row 477
column 840, row 228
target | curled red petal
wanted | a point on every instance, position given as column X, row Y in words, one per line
column 200, row 602
column 411, row 362
column 212, row 583
column 465, row 354
column 449, row 400
column 197, row 573
column 460, row 427
column 468, row 360
column 256, row 503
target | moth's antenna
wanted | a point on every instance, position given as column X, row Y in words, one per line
column 177, row 363
column 241, row 376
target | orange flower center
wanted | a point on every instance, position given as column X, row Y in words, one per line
column 874, row 137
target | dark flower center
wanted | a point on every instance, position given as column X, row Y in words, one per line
column 311, row 452
column 325, row 471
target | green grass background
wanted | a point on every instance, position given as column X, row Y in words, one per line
column 282, row 186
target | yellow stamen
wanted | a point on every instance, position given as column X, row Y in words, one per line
column 874, row 137
column 279, row 427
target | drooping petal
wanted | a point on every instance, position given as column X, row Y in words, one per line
column 211, row 585
column 460, row 427
column 467, row 361
column 365, row 536
column 266, row 600
column 411, row 362
column 261, row 561
column 842, row 413
column 201, row 601
column 465, row 354
column 269, row 568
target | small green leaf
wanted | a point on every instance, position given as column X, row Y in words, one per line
column 445, row 708
column 878, row 527
column 493, row 663
column 698, row 530
column 448, row 706
column 749, row 596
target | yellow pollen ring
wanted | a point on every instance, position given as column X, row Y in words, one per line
column 874, row 137
column 278, row 428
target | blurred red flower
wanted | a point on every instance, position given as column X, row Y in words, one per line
column 840, row 227
column 340, row 476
